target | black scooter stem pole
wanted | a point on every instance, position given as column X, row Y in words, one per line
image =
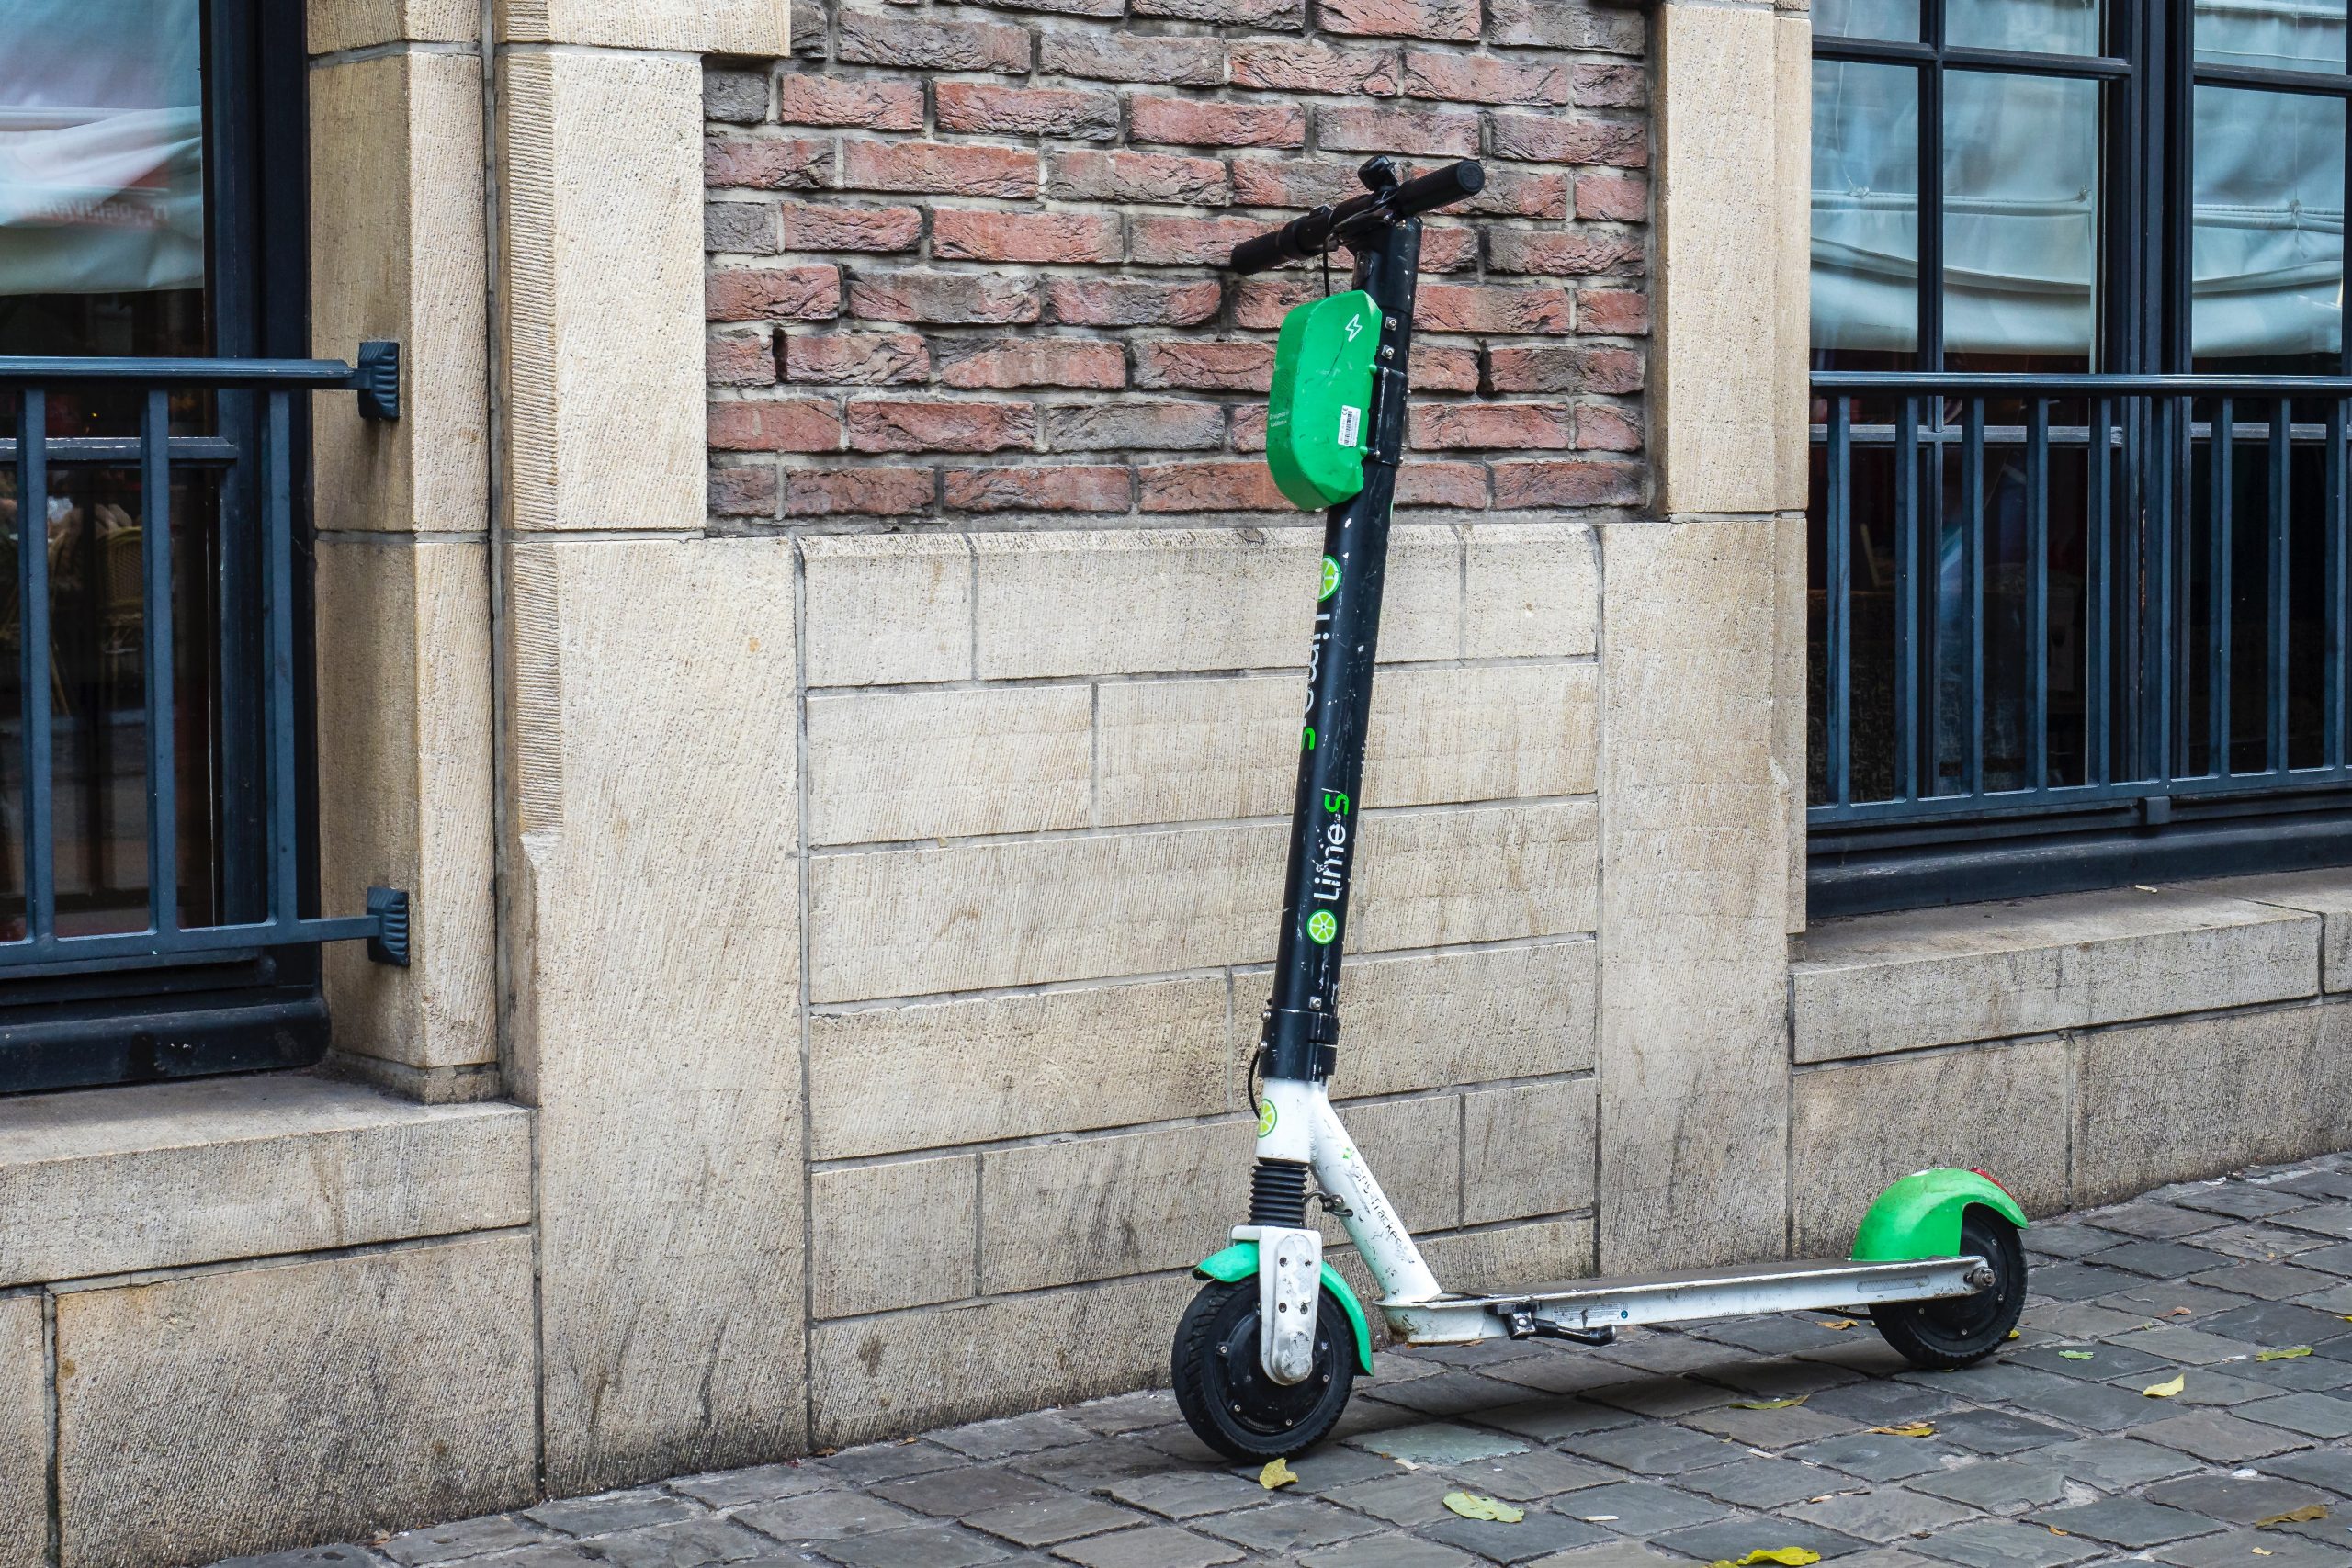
column 1302, row 1024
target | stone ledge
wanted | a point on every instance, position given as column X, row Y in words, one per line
column 163, row 1176
column 1873, row 984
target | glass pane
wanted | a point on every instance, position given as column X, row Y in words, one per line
column 1865, row 216
column 2039, row 27
column 2266, row 248
column 1898, row 19
column 2271, row 35
column 2021, row 218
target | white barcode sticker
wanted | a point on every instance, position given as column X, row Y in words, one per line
column 1351, row 418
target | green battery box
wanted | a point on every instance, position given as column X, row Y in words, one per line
column 1317, row 420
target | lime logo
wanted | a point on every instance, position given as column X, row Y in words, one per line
column 1265, row 1118
column 1323, row 926
column 1307, row 740
column 1330, row 579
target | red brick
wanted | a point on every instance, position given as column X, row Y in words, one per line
column 810, row 227
column 1130, row 302
column 1261, row 303
column 1126, row 57
column 1566, row 484
column 1250, row 428
column 1456, row 19
column 1601, row 427
column 1213, row 122
column 1293, row 182
column 1429, row 131
column 1163, row 178
column 1286, row 15
column 947, row 168
column 805, row 97
column 1101, row 8
column 1564, row 24
column 1202, row 364
column 1191, row 241
column 790, row 425
column 1483, row 79
column 773, row 294
column 879, row 424
column 1618, row 144
column 1569, row 253
column 854, row 359
column 1289, row 65
column 766, row 163
column 1620, row 312
column 1441, row 484
column 744, row 228
column 1447, row 247
column 1055, row 487
column 950, row 298
column 1209, row 487
column 1445, row 367
column 1134, row 425
column 1504, row 426
column 908, row 43
column 735, row 359
column 989, row 109
column 965, row 233
column 1474, row 308
column 1549, row 368
column 1521, row 193
column 1032, row 362
column 744, row 492
column 877, row 492
column 1624, row 199
column 1610, row 87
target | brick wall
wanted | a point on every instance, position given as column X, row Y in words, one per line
column 970, row 347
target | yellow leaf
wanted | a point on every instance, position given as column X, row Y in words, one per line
column 1471, row 1507
column 2166, row 1389
column 1908, row 1430
column 1770, row 1404
column 2260, row 1550
column 1787, row 1556
column 1839, row 1323
column 2287, row 1355
column 1277, row 1473
column 2302, row 1516
column 2015, row 1333
column 2074, row 1355
column 2055, row 1530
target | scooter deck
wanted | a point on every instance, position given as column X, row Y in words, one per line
column 1691, row 1295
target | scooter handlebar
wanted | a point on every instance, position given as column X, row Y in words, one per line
column 1440, row 188
column 1302, row 237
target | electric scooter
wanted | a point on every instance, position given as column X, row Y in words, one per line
column 1269, row 1350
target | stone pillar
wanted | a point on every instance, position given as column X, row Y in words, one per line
column 1701, row 720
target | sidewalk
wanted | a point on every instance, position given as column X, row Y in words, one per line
column 1652, row 1451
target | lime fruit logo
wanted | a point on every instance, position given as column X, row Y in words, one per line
column 1265, row 1118
column 1330, row 579
column 1323, row 926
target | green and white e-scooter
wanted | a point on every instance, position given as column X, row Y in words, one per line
column 1266, row 1353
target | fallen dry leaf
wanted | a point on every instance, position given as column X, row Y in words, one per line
column 2181, row 1312
column 2166, row 1389
column 1908, row 1430
column 1277, row 1473
column 2293, row 1352
column 2074, row 1355
column 1788, row 1556
column 1472, row 1506
column 2302, row 1516
column 1839, row 1323
column 1770, row 1404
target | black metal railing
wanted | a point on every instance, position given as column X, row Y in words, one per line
column 254, row 439
column 2033, row 594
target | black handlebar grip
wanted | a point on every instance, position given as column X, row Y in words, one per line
column 1441, row 187
column 1261, row 252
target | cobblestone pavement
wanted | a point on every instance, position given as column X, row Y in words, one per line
column 1652, row 1451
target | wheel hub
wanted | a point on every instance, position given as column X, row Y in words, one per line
column 1256, row 1400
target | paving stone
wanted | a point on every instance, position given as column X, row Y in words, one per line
column 693, row 1544
column 1998, row 1485
column 2183, row 1347
column 760, row 1483
column 1520, row 1478
column 1404, row 1498
column 968, row 1489
column 2265, row 1281
column 2205, row 1387
column 1152, row 1546
column 1884, row 1557
column 1779, row 1335
column 2237, row 1199
column 466, row 1538
column 1559, row 1374
column 1762, row 1482
column 2322, row 1372
column 2083, row 1320
column 932, row 1546
column 2218, row 1439
column 2066, row 1239
column 1448, row 1393
column 2175, row 1301
column 2095, row 1407
column 2336, row 1259
column 547, row 1554
column 2333, row 1219
column 2262, row 1243
column 1335, row 1465
column 1997, row 1431
column 2156, row 1260
column 1014, row 1434
column 1735, row 1537
column 826, row 1516
column 1181, row 1494
column 1881, row 1402
column 1883, row 1513
column 2114, row 1463
column 2240, row 1500
column 1386, row 1551
column 1667, row 1397
column 2106, row 1360
column 2075, row 1281
column 1637, row 1507
column 2329, row 1467
column 1652, row 1449
column 2273, row 1324
column 1873, row 1456
column 885, row 1462
column 340, row 1556
column 1054, row 1518
column 1668, row 1350
column 1126, row 1411
column 2159, row 1222
column 613, row 1511
column 2237, row 1549
column 1084, row 1467
column 1292, row 1524
column 1770, row 1428
column 2336, row 1299
column 1540, row 1534
column 2313, row 1414
column 1616, row 1554
column 2003, row 1543
column 1784, row 1377
column 2126, row 1522
column 1439, row 1442
column 1555, row 1420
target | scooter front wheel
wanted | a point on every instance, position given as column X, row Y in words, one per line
column 1943, row 1336
column 1226, row 1396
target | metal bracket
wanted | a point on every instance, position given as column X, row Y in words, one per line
column 377, row 379
column 388, row 906
column 1290, row 1272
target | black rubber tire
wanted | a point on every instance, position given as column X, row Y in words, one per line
column 1959, row 1331
column 1236, row 1408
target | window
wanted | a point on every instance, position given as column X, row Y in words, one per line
column 2078, row 599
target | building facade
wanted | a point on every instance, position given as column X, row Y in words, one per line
column 815, row 648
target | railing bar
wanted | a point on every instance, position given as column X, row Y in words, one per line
column 277, row 659
column 2221, row 525
column 2037, row 597
column 32, row 624
column 2161, row 633
column 1972, row 572
column 1968, row 383
column 155, row 536
column 2332, row 525
column 2096, row 537
column 40, row 370
column 1837, row 524
column 2281, row 482
column 1907, row 524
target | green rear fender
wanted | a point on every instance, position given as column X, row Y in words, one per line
column 1238, row 1262
column 1919, row 1215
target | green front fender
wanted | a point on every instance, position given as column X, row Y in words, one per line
column 1919, row 1215
column 1238, row 1262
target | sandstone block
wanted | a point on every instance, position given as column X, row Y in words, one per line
column 1532, row 590
column 1529, row 1150
column 1507, row 1256
column 892, row 1236
column 23, row 1435
column 887, row 608
column 2328, row 894
column 338, row 25
column 942, row 764
column 1096, row 1208
column 759, row 27
column 1435, row 1020
column 1478, row 873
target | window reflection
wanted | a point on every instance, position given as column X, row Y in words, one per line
column 2267, row 237
column 2271, row 35
column 2036, row 26
column 1865, row 216
column 1898, row 19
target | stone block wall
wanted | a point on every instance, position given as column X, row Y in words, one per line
column 970, row 347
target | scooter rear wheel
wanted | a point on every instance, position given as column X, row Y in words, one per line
column 1227, row 1399
column 1958, row 1331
